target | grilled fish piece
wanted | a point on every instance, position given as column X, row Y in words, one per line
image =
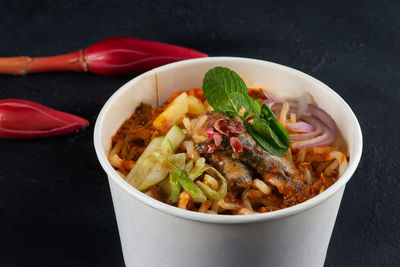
column 264, row 161
column 234, row 171
column 278, row 171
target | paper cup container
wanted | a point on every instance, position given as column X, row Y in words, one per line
column 156, row 234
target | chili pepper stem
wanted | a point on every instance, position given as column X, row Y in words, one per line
column 23, row 65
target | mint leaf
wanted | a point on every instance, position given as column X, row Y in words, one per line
column 240, row 101
column 218, row 86
column 256, row 107
column 266, row 113
column 282, row 136
column 266, row 138
column 271, row 130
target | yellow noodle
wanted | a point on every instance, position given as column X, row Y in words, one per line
column 205, row 206
column 263, row 187
column 229, row 206
column 244, row 211
column 283, row 115
column 245, row 200
column 292, row 117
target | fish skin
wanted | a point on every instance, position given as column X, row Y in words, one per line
column 264, row 161
column 236, row 173
column 273, row 168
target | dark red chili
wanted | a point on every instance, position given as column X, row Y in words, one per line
column 25, row 119
column 111, row 57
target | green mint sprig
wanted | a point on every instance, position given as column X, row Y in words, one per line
column 225, row 91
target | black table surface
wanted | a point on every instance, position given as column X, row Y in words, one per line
column 55, row 203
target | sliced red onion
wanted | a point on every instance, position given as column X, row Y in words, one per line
column 235, row 144
column 271, row 97
column 318, row 128
column 210, row 134
column 221, row 126
column 302, row 105
column 327, row 137
column 217, row 139
column 325, row 127
column 301, row 127
column 235, row 127
column 324, row 117
column 311, row 110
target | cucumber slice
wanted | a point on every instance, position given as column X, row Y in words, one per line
column 140, row 170
column 157, row 174
column 197, row 170
column 194, row 191
column 189, row 166
column 178, row 160
column 158, row 160
column 173, row 139
column 175, row 186
column 160, row 168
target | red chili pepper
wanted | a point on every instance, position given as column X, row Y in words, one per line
column 25, row 119
column 111, row 57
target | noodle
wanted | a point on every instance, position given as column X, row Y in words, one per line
column 113, row 157
column 321, row 167
column 254, row 193
column 210, row 212
column 331, row 167
column 190, row 150
column 246, row 201
column 292, row 117
column 301, row 155
column 308, row 176
column 284, row 112
column 200, row 123
column 289, row 156
column 187, row 124
column 245, row 211
column 215, row 206
column 339, row 156
column 261, row 186
column 115, row 161
column 229, row 206
column 205, row 206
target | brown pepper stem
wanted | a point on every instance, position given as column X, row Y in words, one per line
column 23, row 65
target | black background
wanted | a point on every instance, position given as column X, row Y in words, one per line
column 55, row 204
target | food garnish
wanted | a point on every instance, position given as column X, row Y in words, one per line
column 225, row 91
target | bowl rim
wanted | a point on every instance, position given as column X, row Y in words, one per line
column 226, row 219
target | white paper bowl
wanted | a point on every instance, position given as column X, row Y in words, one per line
column 155, row 234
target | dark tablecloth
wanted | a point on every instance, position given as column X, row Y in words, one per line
column 55, row 204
